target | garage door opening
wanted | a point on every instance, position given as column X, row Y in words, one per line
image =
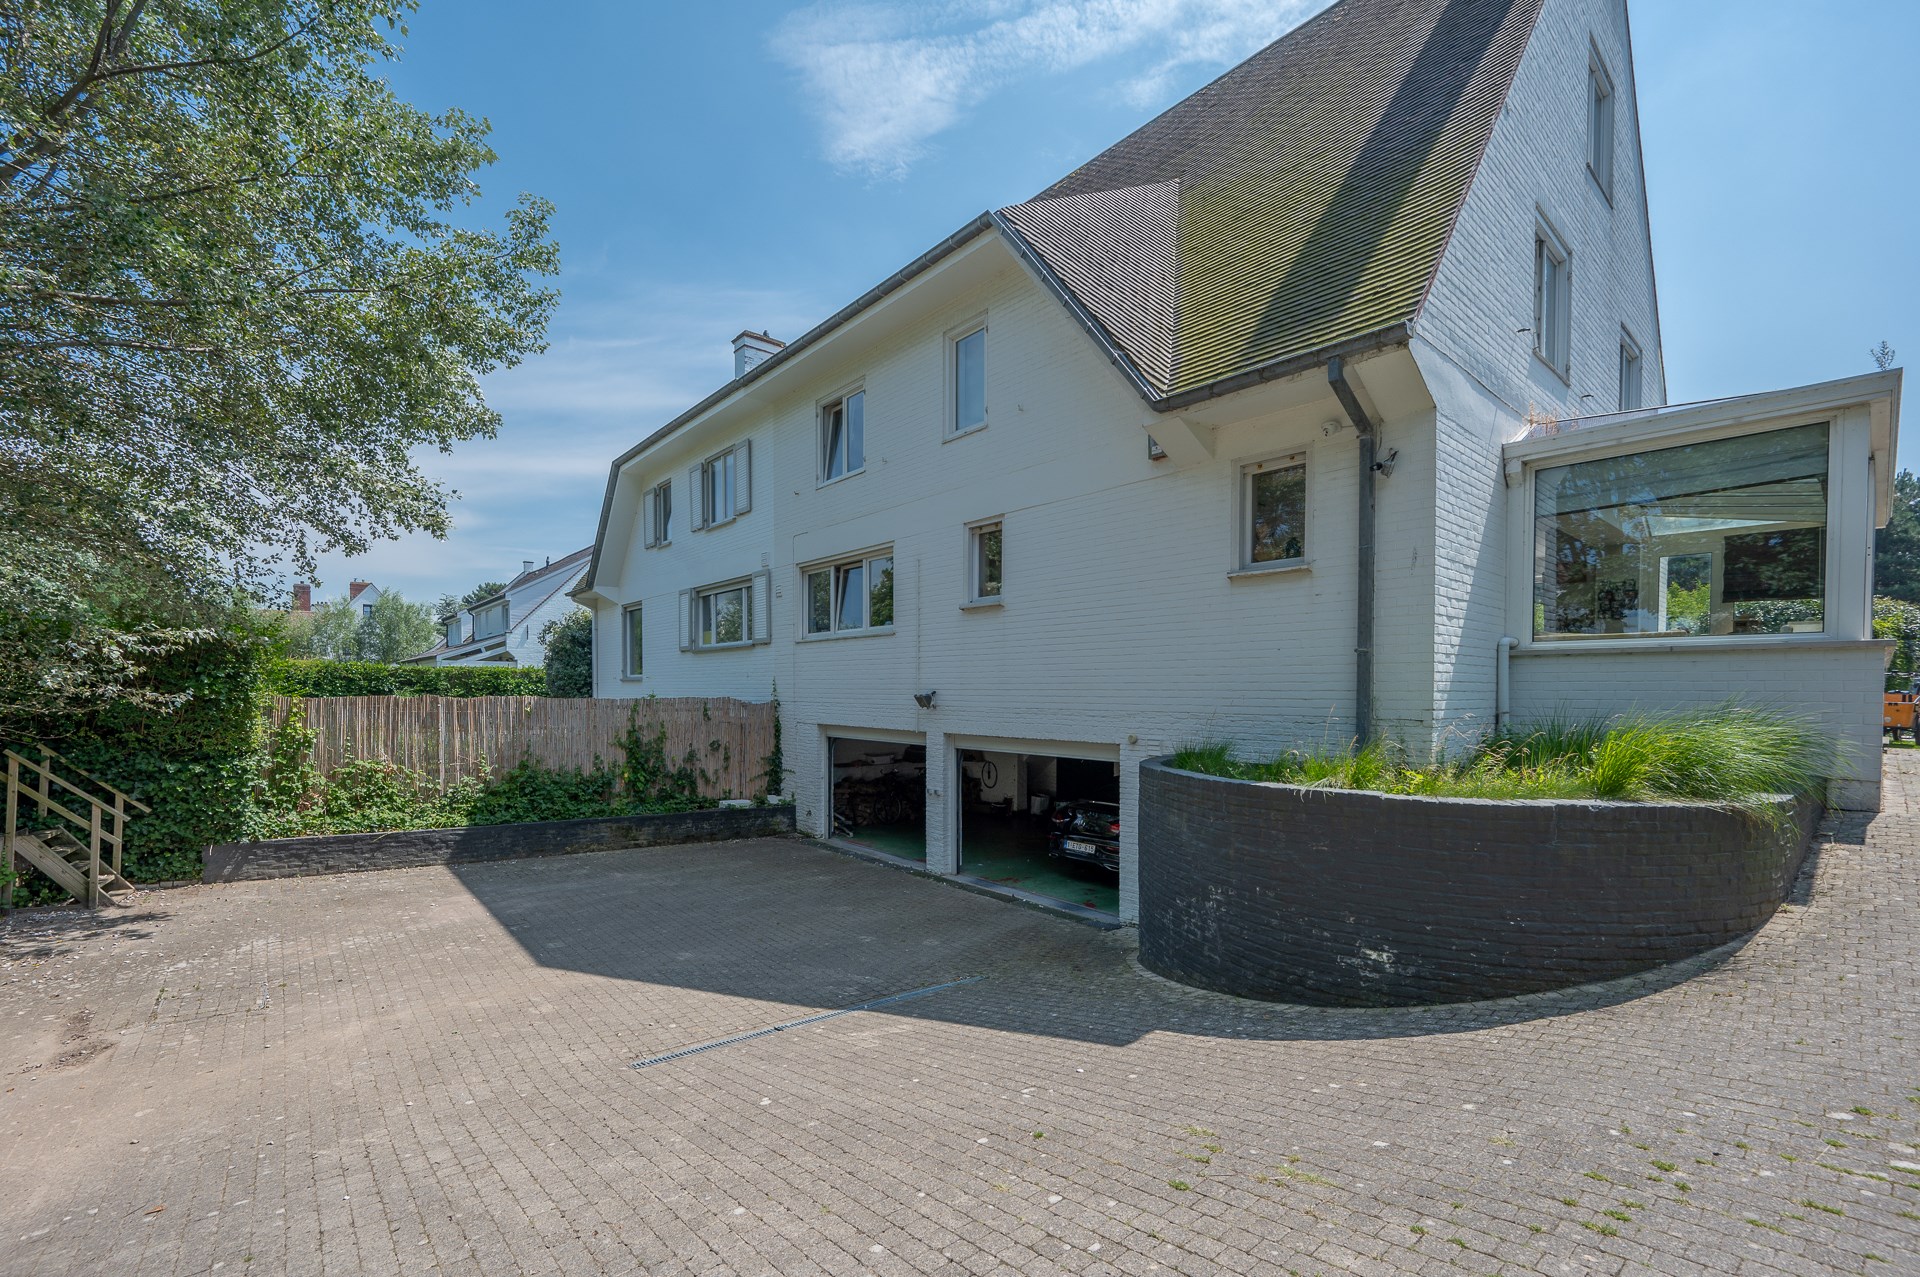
column 1042, row 825
column 880, row 795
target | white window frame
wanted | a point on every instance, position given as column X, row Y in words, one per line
column 823, row 462
column 1552, row 309
column 833, row 569
column 658, row 515
column 954, row 336
column 1244, row 474
column 1846, row 605
column 1602, row 122
column 755, row 624
column 632, row 653
column 976, row 534
column 1633, row 373
column 739, row 459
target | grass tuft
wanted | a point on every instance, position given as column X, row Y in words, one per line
column 1727, row 753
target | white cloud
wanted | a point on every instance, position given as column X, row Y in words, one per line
column 886, row 77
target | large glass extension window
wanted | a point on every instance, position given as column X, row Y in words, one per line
column 1726, row 537
column 856, row 594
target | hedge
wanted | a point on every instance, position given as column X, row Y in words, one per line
column 196, row 765
column 370, row 678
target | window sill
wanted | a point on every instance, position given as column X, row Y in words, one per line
column 951, row 435
column 840, row 478
column 982, row 605
column 1285, row 568
column 718, row 523
column 1566, row 377
column 1703, row 643
column 631, row 678
column 877, row 631
column 722, row 647
column 657, row 545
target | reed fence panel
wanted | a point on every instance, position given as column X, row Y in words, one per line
column 453, row 737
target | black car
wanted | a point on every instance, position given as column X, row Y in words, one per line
column 1088, row 832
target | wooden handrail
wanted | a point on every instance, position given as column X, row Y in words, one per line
column 75, row 767
column 48, row 774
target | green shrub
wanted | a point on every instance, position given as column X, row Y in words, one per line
column 569, row 643
column 367, row 678
column 1724, row 754
column 531, row 792
column 196, row 765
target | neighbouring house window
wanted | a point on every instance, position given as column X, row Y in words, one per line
column 983, row 562
column 632, row 631
column 1632, row 393
column 490, row 621
column 659, row 514
column 1716, row 538
column 1552, row 299
column 366, row 609
column 843, row 429
column 1600, row 123
column 722, row 486
column 853, row 594
column 1275, row 500
column 970, row 380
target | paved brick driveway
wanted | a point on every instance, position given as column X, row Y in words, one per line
column 427, row 1071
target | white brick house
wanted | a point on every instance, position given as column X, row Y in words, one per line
column 1111, row 467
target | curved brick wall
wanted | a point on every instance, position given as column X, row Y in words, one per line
column 1340, row 898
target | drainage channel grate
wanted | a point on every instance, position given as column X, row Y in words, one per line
column 889, row 1000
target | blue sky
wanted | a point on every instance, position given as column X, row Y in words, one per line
column 759, row 164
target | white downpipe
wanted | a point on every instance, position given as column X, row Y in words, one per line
column 1503, row 681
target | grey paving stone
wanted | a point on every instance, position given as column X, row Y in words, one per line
column 425, row 1071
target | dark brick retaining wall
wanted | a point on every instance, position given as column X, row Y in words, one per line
column 1340, row 898
column 347, row 853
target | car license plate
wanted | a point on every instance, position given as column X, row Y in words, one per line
column 1074, row 844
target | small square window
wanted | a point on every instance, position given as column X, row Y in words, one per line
column 843, row 429
column 631, row 634
column 1600, row 124
column 1552, row 299
column 1275, row 501
column 852, row 595
column 984, row 569
column 970, row 381
column 1632, row 378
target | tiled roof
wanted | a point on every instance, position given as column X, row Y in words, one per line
column 1300, row 201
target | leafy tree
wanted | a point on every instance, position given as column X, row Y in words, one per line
column 341, row 631
column 569, row 643
column 1896, row 547
column 394, row 630
column 234, row 299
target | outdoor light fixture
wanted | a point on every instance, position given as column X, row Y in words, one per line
column 924, row 699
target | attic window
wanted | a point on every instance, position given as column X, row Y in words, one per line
column 659, row 514
column 843, row 429
column 1600, row 124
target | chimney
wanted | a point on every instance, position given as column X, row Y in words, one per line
column 750, row 349
column 526, row 566
column 303, row 597
column 354, row 588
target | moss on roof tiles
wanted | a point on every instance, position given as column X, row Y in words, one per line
column 1316, row 183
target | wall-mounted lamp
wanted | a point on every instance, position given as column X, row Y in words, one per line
column 924, row 699
column 1385, row 464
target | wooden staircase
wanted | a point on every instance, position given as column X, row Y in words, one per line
column 83, row 852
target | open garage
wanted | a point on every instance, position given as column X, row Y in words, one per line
column 1043, row 824
column 879, row 792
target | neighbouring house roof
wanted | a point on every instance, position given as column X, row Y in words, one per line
column 1299, row 202
column 548, row 579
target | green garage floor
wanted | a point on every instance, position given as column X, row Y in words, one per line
column 1012, row 852
column 906, row 841
column 1008, row 851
